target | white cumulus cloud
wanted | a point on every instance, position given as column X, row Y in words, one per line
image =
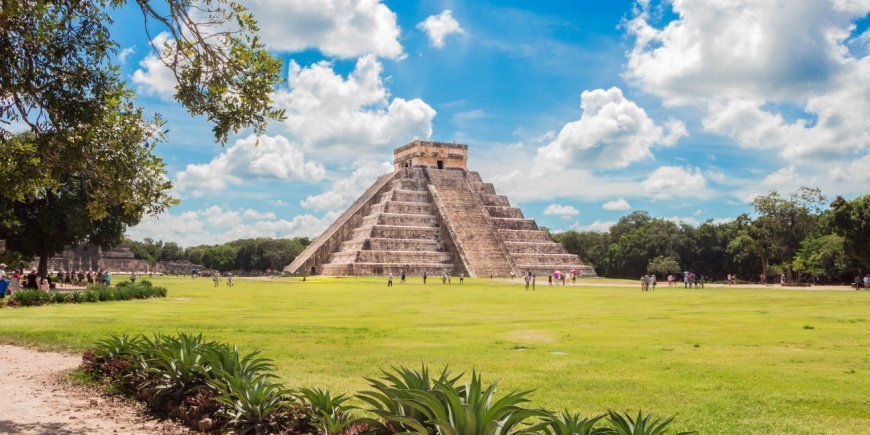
column 597, row 226
column 253, row 157
column 437, row 27
column 676, row 182
column 564, row 211
column 340, row 28
column 612, row 132
column 332, row 114
column 617, row 204
column 154, row 78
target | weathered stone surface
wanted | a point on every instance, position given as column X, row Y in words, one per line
column 118, row 259
column 432, row 215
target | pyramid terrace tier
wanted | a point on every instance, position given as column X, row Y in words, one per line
column 501, row 211
column 396, row 232
column 524, row 236
column 434, row 270
column 382, row 244
column 402, row 195
column 534, row 248
column 400, row 207
column 393, row 257
column 401, row 220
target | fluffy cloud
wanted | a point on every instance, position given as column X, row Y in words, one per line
column 564, row 211
column 154, row 78
column 676, row 181
column 345, row 190
column 341, row 28
column 214, row 225
column 741, row 59
column 617, row 204
column 261, row 157
column 597, row 226
column 612, row 132
column 125, row 53
column 332, row 114
column 856, row 171
column 437, row 27
column 782, row 178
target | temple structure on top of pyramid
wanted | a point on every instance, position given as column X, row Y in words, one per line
column 433, row 215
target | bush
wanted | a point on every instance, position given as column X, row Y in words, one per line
column 213, row 387
column 93, row 293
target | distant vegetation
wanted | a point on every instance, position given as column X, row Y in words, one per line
column 796, row 235
column 245, row 254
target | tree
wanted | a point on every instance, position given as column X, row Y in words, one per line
column 787, row 221
column 86, row 170
column 822, row 256
column 663, row 265
column 851, row 220
column 590, row 246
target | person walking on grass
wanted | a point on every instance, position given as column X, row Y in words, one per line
column 403, row 277
column 533, row 282
column 528, row 278
column 443, row 277
column 461, row 277
column 133, row 277
column 425, row 275
column 107, row 277
column 550, row 280
column 216, row 276
column 644, row 283
column 230, row 279
column 390, row 279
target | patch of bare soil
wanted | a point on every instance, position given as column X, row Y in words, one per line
column 38, row 398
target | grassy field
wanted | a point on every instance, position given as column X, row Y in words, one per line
column 724, row 360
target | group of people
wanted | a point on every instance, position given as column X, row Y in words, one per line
column 690, row 280
column 216, row 276
column 17, row 280
column 446, row 278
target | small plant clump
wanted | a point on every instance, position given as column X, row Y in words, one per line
column 93, row 293
column 212, row 387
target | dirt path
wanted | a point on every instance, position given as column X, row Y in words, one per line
column 38, row 399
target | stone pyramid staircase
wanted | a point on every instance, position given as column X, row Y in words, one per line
column 400, row 232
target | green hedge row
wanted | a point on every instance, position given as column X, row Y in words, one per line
column 212, row 387
column 93, row 293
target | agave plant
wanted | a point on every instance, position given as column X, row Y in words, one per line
column 176, row 367
column 624, row 424
column 390, row 397
column 331, row 413
column 471, row 410
column 225, row 360
column 566, row 423
column 251, row 405
column 119, row 346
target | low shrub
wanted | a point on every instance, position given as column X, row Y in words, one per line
column 212, row 387
column 93, row 293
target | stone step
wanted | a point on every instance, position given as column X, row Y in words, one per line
column 412, row 270
column 514, row 224
column 534, row 247
column 403, row 245
column 408, row 208
column 400, row 219
column 408, row 196
column 504, row 212
column 396, row 232
column 525, row 236
column 409, row 184
column 491, row 200
column 401, row 257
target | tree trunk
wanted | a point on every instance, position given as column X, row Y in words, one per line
column 43, row 264
column 764, row 262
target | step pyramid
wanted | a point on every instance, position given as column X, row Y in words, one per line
column 432, row 215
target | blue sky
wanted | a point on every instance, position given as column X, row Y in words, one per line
column 578, row 111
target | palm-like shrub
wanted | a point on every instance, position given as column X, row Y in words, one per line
column 252, row 405
column 566, row 423
column 331, row 414
column 390, row 396
column 176, row 366
column 472, row 409
column 624, row 424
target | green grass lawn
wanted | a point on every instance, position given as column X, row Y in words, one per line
column 724, row 360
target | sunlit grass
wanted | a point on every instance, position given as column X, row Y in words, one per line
column 725, row 360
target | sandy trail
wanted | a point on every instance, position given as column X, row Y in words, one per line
column 37, row 399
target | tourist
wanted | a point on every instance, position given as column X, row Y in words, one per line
column 4, row 284
column 574, row 278
column 2, row 270
column 462, row 277
column 686, row 279
column 443, row 277
column 133, row 277
column 100, row 276
column 216, row 276
column 867, row 282
column 390, row 279
column 107, row 278
column 89, row 276
column 702, row 280
column 81, row 277
column 652, row 278
column 644, row 283
column 230, row 279
column 449, row 278
column 403, row 277
column 44, row 285
column 513, row 275
column 550, row 280
column 782, row 279
column 15, row 283
column 527, row 277
column 533, row 281
column 670, row 280
column 30, row 280
column 425, row 275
